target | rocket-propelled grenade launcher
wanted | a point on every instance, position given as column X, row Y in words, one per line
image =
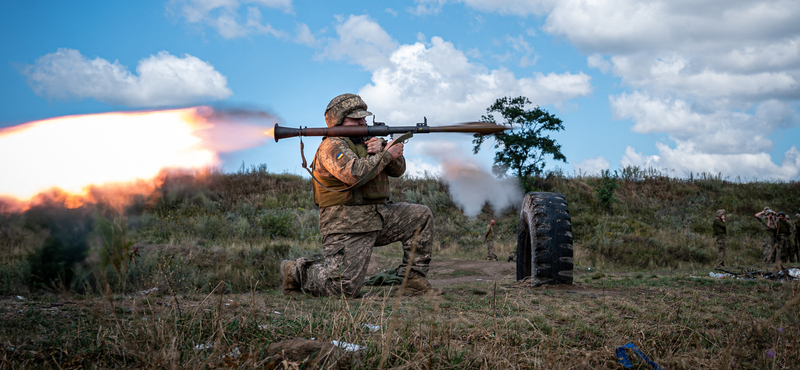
column 378, row 129
column 381, row 129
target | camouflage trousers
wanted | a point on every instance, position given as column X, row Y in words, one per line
column 720, row 252
column 490, row 250
column 767, row 246
column 781, row 249
column 796, row 246
column 347, row 256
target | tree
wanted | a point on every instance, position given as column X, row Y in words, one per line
column 521, row 150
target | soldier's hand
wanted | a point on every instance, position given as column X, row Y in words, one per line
column 374, row 145
column 395, row 150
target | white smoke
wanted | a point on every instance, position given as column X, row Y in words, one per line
column 471, row 186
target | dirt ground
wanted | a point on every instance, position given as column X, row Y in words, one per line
column 449, row 271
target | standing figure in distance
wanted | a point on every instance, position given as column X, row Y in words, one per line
column 783, row 246
column 768, row 226
column 797, row 236
column 354, row 220
column 488, row 239
column 720, row 233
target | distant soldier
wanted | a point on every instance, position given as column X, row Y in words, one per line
column 720, row 233
column 782, row 247
column 797, row 236
column 768, row 225
column 488, row 239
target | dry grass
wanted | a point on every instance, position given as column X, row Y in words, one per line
column 227, row 233
column 680, row 322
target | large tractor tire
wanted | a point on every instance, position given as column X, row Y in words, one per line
column 544, row 243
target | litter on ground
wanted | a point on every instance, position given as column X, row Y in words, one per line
column 349, row 347
column 201, row 347
column 780, row 275
column 371, row 327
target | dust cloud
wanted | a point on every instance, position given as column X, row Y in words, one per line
column 471, row 187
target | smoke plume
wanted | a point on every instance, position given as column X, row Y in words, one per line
column 471, row 187
column 232, row 129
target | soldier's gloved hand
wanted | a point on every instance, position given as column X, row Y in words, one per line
column 395, row 150
column 374, row 145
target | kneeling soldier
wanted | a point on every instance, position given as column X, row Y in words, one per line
column 351, row 188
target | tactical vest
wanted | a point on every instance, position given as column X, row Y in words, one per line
column 375, row 191
column 783, row 228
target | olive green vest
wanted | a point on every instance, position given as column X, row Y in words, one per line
column 784, row 228
column 375, row 191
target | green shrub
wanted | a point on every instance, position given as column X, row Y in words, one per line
column 278, row 224
column 604, row 189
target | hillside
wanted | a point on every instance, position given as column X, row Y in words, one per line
column 186, row 278
column 237, row 227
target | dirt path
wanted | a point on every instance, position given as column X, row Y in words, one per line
column 449, row 271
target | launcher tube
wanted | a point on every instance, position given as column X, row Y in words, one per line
column 482, row 128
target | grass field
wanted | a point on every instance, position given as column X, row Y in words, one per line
column 679, row 321
column 211, row 243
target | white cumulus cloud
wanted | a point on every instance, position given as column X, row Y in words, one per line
column 438, row 80
column 416, row 167
column 719, row 77
column 591, row 166
column 362, row 41
column 713, row 131
column 684, row 158
column 634, row 159
column 160, row 80
column 240, row 18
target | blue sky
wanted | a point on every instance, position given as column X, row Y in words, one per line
column 669, row 84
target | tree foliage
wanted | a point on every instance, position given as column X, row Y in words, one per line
column 523, row 149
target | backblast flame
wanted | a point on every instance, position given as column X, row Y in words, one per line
column 121, row 149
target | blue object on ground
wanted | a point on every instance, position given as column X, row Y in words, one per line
column 623, row 358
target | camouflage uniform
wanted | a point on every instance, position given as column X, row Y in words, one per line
column 768, row 242
column 797, row 237
column 353, row 222
column 796, row 251
column 720, row 233
column 489, row 240
column 782, row 246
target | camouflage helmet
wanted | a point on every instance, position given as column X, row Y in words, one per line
column 720, row 213
column 345, row 105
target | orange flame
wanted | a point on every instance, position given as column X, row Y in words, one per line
column 120, row 149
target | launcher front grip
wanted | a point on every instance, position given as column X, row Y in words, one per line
column 482, row 128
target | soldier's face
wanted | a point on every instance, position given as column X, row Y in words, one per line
column 354, row 121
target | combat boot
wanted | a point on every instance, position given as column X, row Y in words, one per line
column 418, row 285
column 288, row 283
